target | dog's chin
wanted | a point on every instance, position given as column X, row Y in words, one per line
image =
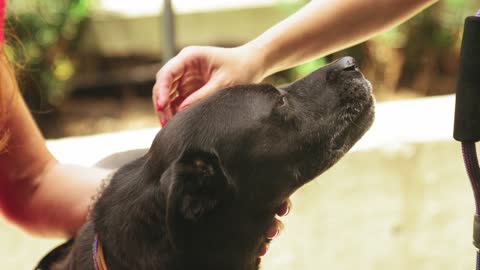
column 354, row 119
column 362, row 84
column 357, row 126
column 368, row 85
column 358, row 81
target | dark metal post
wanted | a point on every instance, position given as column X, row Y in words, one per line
column 467, row 113
column 168, row 31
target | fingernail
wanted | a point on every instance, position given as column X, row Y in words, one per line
column 263, row 250
column 277, row 232
column 272, row 232
column 284, row 210
column 162, row 122
column 184, row 106
column 158, row 107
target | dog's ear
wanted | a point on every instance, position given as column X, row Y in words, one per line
column 198, row 185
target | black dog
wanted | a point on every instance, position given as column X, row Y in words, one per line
column 207, row 190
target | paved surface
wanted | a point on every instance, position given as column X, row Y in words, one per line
column 405, row 209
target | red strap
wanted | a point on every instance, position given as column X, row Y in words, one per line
column 2, row 18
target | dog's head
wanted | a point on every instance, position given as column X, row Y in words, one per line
column 263, row 142
column 225, row 164
column 247, row 148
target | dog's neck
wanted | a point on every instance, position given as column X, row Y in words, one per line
column 134, row 239
column 128, row 220
column 155, row 251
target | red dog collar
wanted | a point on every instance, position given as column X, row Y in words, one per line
column 98, row 258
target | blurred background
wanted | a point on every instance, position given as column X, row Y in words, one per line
column 85, row 64
column 88, row 66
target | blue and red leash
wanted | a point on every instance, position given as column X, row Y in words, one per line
column 467, row 113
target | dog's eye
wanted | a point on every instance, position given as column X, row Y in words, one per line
column 282, row 101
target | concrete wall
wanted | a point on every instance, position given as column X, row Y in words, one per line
column 410, row 208
column 115, row 33
column 400, row 200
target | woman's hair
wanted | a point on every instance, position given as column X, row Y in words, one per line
column 4, row 74
column 4, row 134
column 7, row 80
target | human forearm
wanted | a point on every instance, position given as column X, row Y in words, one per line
column 320, row 28
column 56, row 202
column 323, row 27
column 36, row 192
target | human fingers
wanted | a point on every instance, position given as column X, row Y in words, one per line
column 263, row 249
column 275, row 229
column 167, row 82
column 284, row 209
column 209, row 88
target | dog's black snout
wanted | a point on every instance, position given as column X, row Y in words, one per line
column 342, row 68
column 346, row 64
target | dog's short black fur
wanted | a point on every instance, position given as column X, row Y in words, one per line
column 207, row 190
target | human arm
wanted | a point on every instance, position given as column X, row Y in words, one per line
column 37, row 192
column 323, row 27
column 319, row 28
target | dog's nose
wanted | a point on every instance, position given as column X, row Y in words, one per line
column 345, row 64
column 329, row 72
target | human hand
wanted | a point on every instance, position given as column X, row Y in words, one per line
column 275, row 228
column 198, row 71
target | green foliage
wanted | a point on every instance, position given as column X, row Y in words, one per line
column 307, row 68
column 46, row 33
column 423, row 51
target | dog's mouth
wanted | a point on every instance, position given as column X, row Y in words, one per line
column 356, row 112
column 351, row 130
column 348, row 115
column 339, row 143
